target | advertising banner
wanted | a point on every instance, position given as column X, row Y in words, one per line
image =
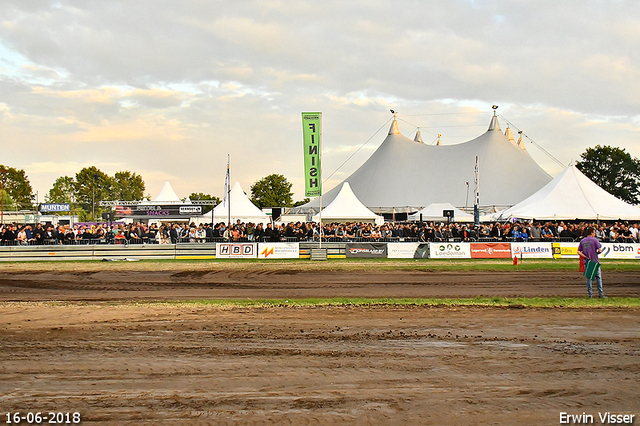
column 278, row 250
column 449, row 250
column 236, row 250
column 532, row 250
column 565, row 250
column 490, row 250
column 366, row 249
column 407, row 250
column 620, row 251
column 312, row 146
column 158, row 210
column 61, row 207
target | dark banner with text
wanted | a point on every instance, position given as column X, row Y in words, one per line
column 366, row 249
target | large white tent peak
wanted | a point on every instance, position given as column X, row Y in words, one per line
column 167, row 195
column 494, row 125
column 347, row 207
column 572, row 195
column 394, row 130
column 418, row 137
column 509, row 134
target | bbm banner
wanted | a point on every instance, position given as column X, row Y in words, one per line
column 312, row 141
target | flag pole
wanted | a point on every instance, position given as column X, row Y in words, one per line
column 320, row 155
column 227, row 185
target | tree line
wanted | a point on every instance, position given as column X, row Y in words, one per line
column 84, row 191
column 612, row 168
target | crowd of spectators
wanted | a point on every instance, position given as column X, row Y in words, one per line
column 174, row 233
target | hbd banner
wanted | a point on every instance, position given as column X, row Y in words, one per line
column 236, row 250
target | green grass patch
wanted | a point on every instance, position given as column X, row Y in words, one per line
column 519, row 302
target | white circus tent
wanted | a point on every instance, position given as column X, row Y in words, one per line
column 571, row 195
column 241, row 208
column 346, row 207
column 405, row 175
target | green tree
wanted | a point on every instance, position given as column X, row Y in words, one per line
column 7, row 201
column 127, row 186
column 63, row 191
column 614, row 170
column 17, row 185
column 199, row 196
column 92, row 186
column 272, row 191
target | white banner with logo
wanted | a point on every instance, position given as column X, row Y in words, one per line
column 278, row 250
column 532, row 250
column 236, row 250
column 450, row 250
column 620, row 251
column 407, row 250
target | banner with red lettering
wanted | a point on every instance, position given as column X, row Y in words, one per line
column 490, row 250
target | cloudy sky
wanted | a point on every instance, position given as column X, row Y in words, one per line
column 167, row 89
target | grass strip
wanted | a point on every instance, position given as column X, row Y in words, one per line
column 519, row 302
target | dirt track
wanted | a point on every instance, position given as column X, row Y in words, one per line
column 189, row 364
column 280, row 282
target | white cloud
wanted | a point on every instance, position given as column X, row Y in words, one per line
column 168, row 89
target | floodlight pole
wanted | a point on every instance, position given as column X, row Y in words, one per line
column 466, row 200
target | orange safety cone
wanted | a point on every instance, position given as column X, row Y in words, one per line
column 515, row 260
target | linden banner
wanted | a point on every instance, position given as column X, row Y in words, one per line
column 312, row 145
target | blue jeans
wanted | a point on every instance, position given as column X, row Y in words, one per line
column 598, row 284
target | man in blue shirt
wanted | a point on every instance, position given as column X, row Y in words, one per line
column 588, row 249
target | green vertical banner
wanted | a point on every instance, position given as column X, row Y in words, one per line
column 312, row 141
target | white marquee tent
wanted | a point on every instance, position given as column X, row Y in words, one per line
column 167, row 195
column 572, row 195
column 346, row 207
column 434, row 212
column 405, row 175
column 241, row 208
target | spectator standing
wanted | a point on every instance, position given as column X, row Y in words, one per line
column 588, row 249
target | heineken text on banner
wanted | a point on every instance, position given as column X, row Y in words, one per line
column 312, row 138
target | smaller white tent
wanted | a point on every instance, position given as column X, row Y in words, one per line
column 434, row 212
column 241, row 208
column 346, row 207
column 167, row 195
column 572, row 195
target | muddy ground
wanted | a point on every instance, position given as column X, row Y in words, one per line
column 149, row 364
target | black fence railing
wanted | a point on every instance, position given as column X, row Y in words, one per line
column 331, row 239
